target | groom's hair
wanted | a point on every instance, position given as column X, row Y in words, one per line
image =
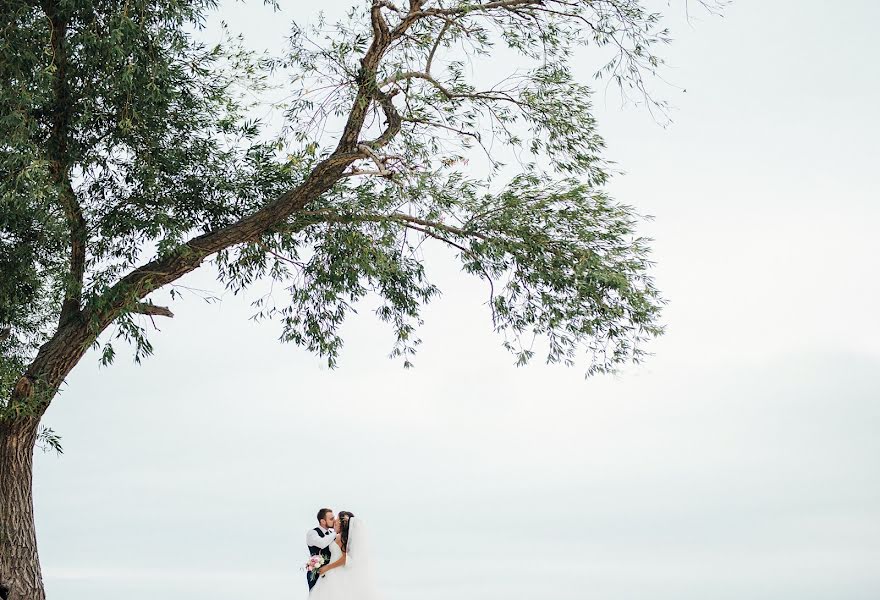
column 322, row 513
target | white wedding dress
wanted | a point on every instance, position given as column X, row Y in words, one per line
column 354, row 580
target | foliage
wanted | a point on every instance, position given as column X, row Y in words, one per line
column 146, row 126
column 48, row 440
column 123, row 139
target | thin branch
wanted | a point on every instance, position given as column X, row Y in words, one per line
column 145, row 308
column 435, row 46
column 383, row 170
column 332, row 216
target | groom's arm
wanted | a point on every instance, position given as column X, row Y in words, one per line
column 313, row 539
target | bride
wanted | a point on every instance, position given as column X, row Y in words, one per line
column 348, row 575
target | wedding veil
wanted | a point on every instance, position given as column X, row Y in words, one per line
column 359, row 563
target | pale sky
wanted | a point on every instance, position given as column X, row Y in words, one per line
column 740, row 462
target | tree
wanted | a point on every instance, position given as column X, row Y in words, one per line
column 128, row 160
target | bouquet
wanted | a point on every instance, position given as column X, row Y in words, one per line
column 313, row 564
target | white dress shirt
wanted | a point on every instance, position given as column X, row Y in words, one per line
column 313, row 539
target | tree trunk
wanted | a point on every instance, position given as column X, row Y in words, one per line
column 20, row 576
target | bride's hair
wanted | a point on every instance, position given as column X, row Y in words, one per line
column 345, row 517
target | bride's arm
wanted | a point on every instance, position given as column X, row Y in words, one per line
column 312, row 539
column 333, row 565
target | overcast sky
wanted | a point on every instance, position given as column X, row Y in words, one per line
column 739, row 462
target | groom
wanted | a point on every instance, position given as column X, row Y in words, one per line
column 319, row 539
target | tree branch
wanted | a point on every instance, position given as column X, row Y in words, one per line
column 145, row 308
column 60, row 160
column 472, row 8
column 187, row 257
column 391, row 115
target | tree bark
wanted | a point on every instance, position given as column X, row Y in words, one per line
column 20, row 575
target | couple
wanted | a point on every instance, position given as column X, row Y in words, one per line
column 346, row 573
